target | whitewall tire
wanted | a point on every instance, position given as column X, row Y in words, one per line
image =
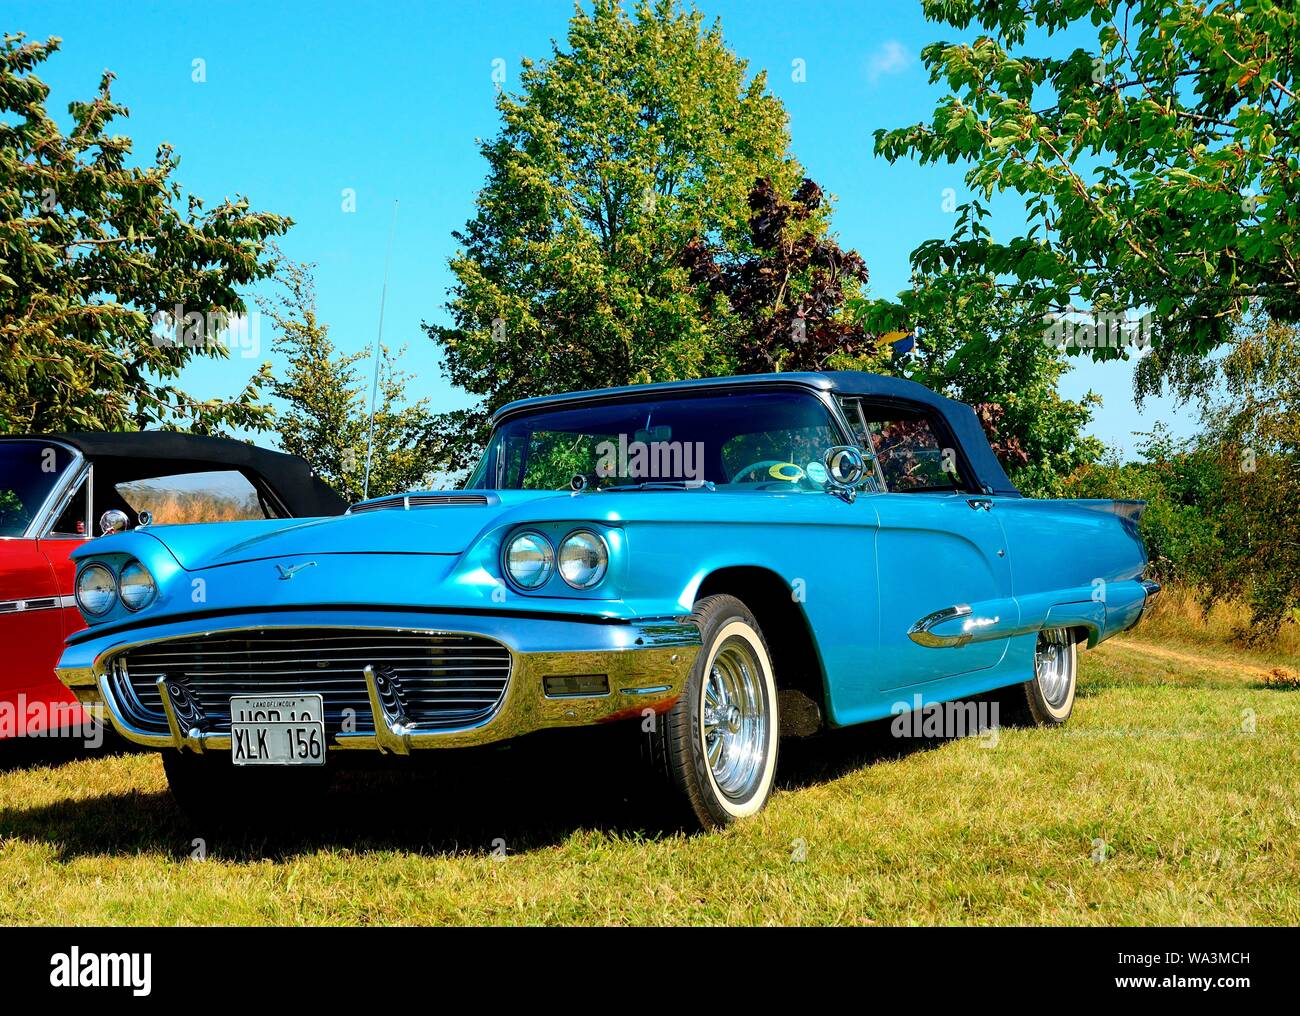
column 719, row 741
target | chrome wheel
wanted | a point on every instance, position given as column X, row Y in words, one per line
column 719, row 741
column 734, row 718
column 1054, row 666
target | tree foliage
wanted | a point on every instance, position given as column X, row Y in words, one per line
column 981, row 348
column 642, row 134
column 1254, row 428
column 91, row 249
column 789, row 292
column 979, row 343
column 1158, row 165
column 1223, row 508
column 326, row 396
column 1180, row 481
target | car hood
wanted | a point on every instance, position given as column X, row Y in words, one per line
column 441, row 529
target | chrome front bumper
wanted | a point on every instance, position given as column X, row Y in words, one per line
column 645, row 664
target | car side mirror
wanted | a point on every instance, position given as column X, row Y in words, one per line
column 845, row 468
column 113, row 521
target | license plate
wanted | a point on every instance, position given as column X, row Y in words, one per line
column 277, row 730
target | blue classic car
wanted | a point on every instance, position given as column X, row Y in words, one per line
column 718, row 562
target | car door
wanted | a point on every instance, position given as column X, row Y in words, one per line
column 31, row 632
column 69, row 530
column 937, row 553
column 36, row 606
column 941, row 562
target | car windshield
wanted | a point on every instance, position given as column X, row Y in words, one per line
column 743, row 439
column 28, row 472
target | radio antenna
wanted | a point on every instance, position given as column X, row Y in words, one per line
column 374, row 384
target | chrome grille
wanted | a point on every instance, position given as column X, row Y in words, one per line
column 445, row 680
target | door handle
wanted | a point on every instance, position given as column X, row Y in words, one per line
column 980, row 504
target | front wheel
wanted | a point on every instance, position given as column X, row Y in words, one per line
column 719, row 740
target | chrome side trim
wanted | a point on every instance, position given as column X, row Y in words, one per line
column 921, row 634
column 36, row 603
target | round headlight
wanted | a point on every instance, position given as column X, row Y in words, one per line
column 96, row 590
column 583, row 559
column 529, row 560
column 136, row 586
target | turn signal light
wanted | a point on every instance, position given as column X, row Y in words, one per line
column 575, row 685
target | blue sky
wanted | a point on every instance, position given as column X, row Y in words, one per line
column 304, row 100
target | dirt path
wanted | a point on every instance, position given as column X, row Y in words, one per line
column 1209, row 662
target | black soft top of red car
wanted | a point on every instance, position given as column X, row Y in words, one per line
column 154, row 452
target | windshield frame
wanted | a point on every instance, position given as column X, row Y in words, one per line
column 481, row 473
column 60, row 490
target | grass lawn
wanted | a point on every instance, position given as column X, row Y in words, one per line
column 1156, row 805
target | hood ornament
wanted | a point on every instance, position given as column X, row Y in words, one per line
column 289, row 571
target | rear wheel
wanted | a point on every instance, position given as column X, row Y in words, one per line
column 718, row 743
column 210, row 789
column 1047, row 699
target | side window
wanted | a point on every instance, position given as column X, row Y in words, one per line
column 72, row 521
column 220, row 495
column 854, row 414
column 911, row 456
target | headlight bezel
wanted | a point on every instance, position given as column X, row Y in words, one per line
column 121, row 588
column 114, row 597
column 600, row 544
column 548, row 559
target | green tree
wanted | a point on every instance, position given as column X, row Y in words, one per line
column 326, row 399
column 1181, row 482
column 91, row 251
column 789, row 297
column 978, row 343
column 1223, row 508
column 1158, row 165
column 1253, row 427
column 645, row 133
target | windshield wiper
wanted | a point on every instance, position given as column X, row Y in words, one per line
column 661, row 485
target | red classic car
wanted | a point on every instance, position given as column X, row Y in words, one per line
column 53, row 487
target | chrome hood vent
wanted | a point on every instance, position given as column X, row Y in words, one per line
column 408, row 501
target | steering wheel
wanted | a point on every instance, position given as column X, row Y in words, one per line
column 793, row 472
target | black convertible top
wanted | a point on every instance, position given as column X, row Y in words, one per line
column 957, row 416
column 151, row 452
column 960, row 418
